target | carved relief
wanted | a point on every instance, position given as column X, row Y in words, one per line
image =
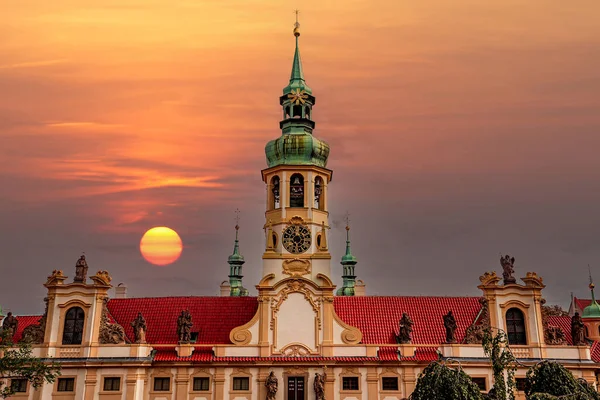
column 292, row 287
column 241, row 335
column 296, row 220
column 533, row 280
column 296, row 350
column 296, row 370
column 475, row 332
column 553, row 335
column 34, row 334
column 350, row 334
column 296, row 267
column 110, row 333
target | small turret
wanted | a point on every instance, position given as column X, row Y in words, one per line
column 593, row 310
column 236, row 261
column 348, row 263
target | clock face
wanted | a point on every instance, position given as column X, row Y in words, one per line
column 296, row 239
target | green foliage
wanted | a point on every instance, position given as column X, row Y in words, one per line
column 440, row 382
column 504, row 364
column 17, row 361
column 549, row 380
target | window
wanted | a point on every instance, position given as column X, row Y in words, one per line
column 389, row 383
column 194, row 337
column 515, row 326
column 112, row 384
column 19, row 385
column 201, row 384
column 319, row 193
column 241, row 383
column 73, row 329
column 481, row 383
column 66, row 385
column 275, row 189
column 521, row 384
column 350, row 383
column 162, row 384
column 297, row 191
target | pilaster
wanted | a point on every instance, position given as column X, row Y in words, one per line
column 91, row 380
column 219, row 379
column 372, row 382
column 182, row 383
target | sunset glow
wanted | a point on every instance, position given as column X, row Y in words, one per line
column 161, row 246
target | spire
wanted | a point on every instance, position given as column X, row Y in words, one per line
column 348, row 264
column 297, row 82
column 236, row 261
column 593, row 310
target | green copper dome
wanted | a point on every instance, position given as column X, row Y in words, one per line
column 297, row 145
column 297, row 149
column 593, row 310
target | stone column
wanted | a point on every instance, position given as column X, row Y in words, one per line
column 372, row 381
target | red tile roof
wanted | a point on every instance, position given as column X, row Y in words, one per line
column 213, row 317
column 595, row 350
column 24, row 322
column 564, row 322
column 582, row 303
column 378, row 317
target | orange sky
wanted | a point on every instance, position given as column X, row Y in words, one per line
column 119, row 115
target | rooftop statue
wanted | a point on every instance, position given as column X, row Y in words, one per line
column 139, row 328
column 81, row 270
column 577, row 330
column 184, row 326
column 405, row 329
column 10, row 324
column 507, row 263
column 450, row 325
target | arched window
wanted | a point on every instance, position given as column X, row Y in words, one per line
column 297, row 191
column 73, row 330
column 307, row 112
column 319, row 193
column 515, row 326
column 297, row 111
column 275, row 188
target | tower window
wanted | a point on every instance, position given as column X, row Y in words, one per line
column 307, row 112
column 319, row 193
column 297, row 111
column 275, row 189
column 297, row 191
column 73, row 329
column 515, row 326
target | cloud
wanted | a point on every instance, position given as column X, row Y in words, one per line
column 33, row 64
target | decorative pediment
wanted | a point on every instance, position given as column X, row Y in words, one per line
column 296, row 267
column 296, row 350
column 56, row 278
column 102, row 278
column 533, row 280
column 489, row 278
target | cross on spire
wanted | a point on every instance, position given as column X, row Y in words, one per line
column 296, row 12
column 237, row 218
column 347, row 219
column 591, row 280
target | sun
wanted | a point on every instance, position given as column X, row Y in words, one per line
column 161, row 246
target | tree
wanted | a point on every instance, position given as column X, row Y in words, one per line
column 504, row 364
column 18, row 362
column 549, row 380
column 440, row 382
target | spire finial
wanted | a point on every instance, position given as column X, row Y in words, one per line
column 237, row 222
column 297, row 24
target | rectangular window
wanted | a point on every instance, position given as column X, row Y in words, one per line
column 201, row 384
column 112, row 384
column 520, row 383
column 241, row 383
column 66, row 385
column 350, row 383
column 18, row 385
column 389, row 383
column 481, row 383
column 162, row 384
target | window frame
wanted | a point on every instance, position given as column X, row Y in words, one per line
column 351, row 378
column 65, row 379
column 201, row 379
column 72, row 331
column 474, row 379
column 235, row 379
column 19, row 392
column 106, row 379
column 303, row 190
column 512, row 328
column 163, row 379
column 396, row 380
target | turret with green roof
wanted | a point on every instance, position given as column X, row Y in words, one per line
column 297, row 145
column 348, row 264
column 593, row 310
column 236, row 261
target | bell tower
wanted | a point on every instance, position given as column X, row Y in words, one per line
column 296, row 178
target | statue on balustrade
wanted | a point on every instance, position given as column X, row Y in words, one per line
column 139, row 329
column 184, row 326
column 450, row 325
column 507, row 263
column 577, row 330
column 405, row 329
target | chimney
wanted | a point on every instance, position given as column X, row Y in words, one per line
column 360, row 289
column 225, row 289
column 121, row 291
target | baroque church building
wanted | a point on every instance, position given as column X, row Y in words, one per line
column 300, row 337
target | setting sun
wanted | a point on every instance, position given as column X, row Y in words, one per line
column 161, row 246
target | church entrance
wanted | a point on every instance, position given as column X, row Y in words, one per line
column 295, row 388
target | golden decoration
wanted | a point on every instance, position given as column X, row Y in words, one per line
column 298, row 96
column 296, row 267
